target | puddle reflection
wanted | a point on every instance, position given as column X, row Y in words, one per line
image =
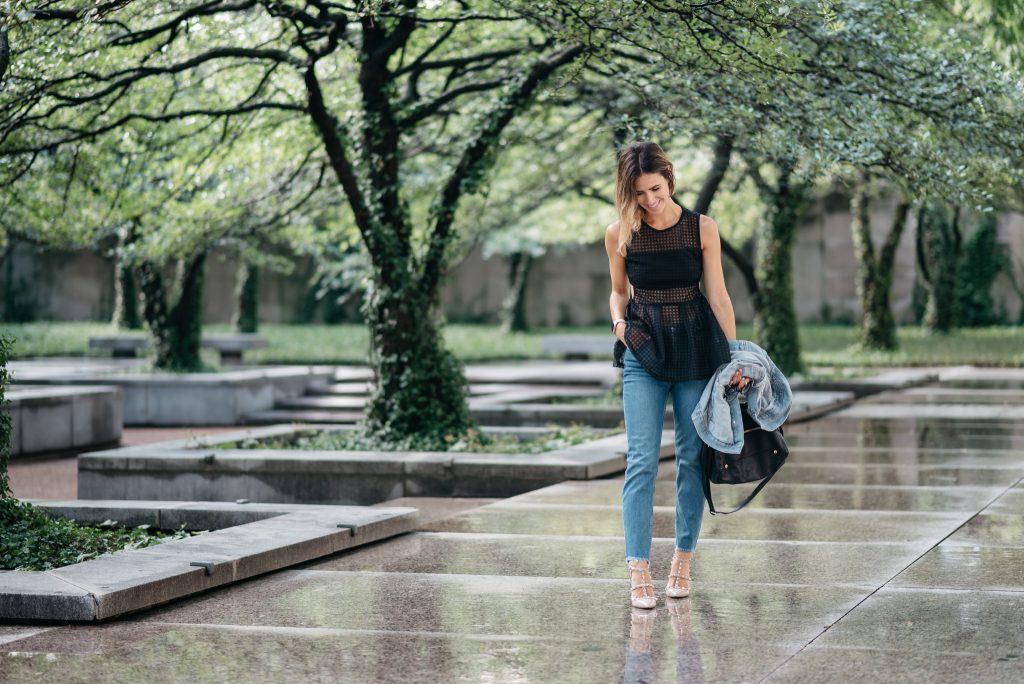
column 640, row 663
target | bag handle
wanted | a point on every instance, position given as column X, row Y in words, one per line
column 711, row 504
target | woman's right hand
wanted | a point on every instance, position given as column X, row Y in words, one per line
column 620, row 332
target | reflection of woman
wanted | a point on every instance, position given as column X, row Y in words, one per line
column 671, row 340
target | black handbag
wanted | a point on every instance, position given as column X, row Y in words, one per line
column 764, row 453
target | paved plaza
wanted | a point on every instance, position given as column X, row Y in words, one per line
column 890, row 548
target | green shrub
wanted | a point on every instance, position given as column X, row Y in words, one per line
column 473, row 441
column 32, row 540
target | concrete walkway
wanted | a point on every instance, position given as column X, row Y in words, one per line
column 890, row 548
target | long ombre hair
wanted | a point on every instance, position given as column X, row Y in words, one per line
column 636, row 159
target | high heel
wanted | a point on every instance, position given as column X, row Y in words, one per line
column 647, row 599
column 679, row 582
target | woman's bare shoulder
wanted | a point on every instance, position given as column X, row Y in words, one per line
column 708, row 231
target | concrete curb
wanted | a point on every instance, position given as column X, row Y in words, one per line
column 133, row 580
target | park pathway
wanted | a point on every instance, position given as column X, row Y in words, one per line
column 890, row 548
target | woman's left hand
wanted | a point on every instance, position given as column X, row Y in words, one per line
column 739, row 380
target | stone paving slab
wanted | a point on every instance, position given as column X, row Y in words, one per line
column 716, row 562
column 131, row 580
column 904, row 475
column 902, row 456
column 950, row 566
column 910, row 427
column 779, row 524
column 1010, row 503
column 946, row 438
column 951, row 412
column 516, row 606
column 990, row 529
column 12, row 633
column 894, row 665
column 665, row 648
column 949, row 395
column 786, row 495
column 939, row 621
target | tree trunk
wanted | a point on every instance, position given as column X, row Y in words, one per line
column 126, row 287
column 5, row 420
column 775, row 322
column 419, row 395
column 5, row 52
column 176, row 331
column 247, row 298
column 126, row 298
column 874, row 272
column 938, row 254
column 513, row 308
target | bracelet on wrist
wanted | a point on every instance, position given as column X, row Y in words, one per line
column 615, row 323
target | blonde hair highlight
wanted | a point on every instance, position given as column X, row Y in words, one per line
column 635, row 160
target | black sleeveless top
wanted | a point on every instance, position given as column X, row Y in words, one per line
column 670, row 326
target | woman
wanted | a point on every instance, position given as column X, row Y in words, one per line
column 671, row 339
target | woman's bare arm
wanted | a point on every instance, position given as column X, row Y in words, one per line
column 620, row 283
column 714, row 278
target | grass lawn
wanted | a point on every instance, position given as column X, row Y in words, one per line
column 823, row 345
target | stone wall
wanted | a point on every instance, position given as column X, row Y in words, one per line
column 567, row 286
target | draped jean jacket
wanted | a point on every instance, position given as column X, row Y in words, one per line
column 768, row 396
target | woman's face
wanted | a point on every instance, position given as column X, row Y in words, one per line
column 652, row 192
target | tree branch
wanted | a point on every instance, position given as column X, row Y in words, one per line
column 466, row 175
column 332, row 134
column 425, row 110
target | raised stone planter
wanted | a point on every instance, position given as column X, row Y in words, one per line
column 55, row 419
column 202, row 398
column 250, row 540
column 195, row 469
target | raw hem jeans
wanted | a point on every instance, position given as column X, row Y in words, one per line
column 643, row 399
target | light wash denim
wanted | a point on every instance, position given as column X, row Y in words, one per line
column 768, row 396
column 643, row 399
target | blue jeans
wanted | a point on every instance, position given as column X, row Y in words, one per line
column 643, row 399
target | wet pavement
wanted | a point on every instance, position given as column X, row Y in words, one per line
column 890, row 548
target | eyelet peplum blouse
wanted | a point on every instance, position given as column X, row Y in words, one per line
column 670, row 326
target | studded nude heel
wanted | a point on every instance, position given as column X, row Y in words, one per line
column 679, row 575
column 646, row 599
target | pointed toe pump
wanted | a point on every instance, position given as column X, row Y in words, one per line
column 679, row 575
column 641, row 591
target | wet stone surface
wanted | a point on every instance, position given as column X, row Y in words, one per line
column 969, row 567
column 788, row 495
column 889, row 548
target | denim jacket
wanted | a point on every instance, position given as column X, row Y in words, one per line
column 769, row 398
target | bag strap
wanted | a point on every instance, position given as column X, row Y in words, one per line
column 711, row 505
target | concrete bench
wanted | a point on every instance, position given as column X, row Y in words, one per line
column 577, row 347
column 229, row 346
column 122, row 347
column 232, row 346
